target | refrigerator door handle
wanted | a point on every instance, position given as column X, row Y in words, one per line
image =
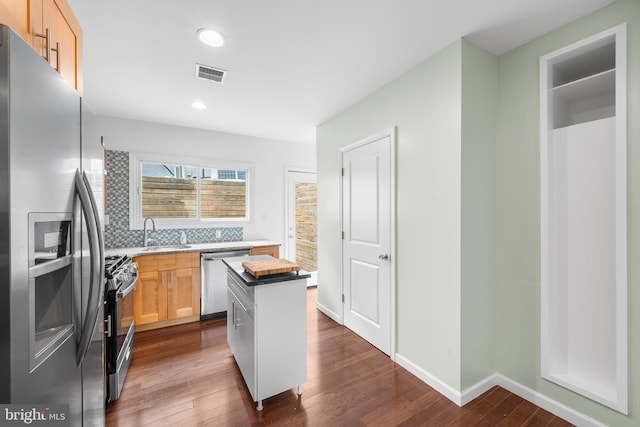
column 90, row 211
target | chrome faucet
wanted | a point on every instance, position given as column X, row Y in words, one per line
column 146, row 232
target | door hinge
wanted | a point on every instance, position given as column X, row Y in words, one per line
column 342, row 297
column 343, row 235
column 342, row 172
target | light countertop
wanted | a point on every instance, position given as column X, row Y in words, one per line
column 195, row 247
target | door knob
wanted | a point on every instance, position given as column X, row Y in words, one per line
column 383, row 256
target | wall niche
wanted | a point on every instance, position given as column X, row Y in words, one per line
column 583, row 177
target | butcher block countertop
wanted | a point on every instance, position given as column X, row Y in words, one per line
column 268, row 267
column 235, row 264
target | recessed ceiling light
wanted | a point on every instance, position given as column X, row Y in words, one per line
column 210, row 37
column 199, row 105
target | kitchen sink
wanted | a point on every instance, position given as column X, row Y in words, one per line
column 164, row 248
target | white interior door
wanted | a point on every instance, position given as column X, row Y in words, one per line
column 367, row 243
column 301, row 227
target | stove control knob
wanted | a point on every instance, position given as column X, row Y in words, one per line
column 133, row 267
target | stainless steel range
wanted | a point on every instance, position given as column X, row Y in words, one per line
column 122, row 276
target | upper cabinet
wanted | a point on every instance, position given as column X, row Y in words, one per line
column 57, row 36
column 15, row 14
column 53, row 31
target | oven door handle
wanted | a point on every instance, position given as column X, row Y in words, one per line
column 126, row 291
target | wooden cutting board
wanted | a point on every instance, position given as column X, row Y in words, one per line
column 269, row 266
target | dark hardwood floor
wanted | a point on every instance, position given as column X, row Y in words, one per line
column 185, row 376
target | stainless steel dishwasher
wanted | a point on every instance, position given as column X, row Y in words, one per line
column 213, row 283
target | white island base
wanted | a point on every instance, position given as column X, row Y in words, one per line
column 267, row 333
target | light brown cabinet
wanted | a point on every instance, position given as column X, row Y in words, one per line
column 53, row 31
column 150, row 298
column 64, row 47
column 168, row 290
column 15, row 14
column 274, row 251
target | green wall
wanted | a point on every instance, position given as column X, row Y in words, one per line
column 518, row 207
column 468, row 222
column 424, row 105
column 478, row 229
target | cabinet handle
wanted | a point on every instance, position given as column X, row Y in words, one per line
column 108, row 327
column 57, row 50
column 47, row 43
column 162, row 278
column 233, row 313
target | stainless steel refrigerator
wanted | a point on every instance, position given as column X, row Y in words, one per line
column 51, row 248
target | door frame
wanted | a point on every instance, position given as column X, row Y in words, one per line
column 287, row 205
column 391, row 133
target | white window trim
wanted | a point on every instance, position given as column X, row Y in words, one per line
column 136, row 222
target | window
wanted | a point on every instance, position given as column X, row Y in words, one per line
column 180, row 194
column 169, row 191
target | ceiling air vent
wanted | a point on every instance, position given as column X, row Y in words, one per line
column 209, row 73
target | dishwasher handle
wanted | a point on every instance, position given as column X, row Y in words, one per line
column 209, row 256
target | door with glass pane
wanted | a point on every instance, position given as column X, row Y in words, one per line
column 301, row 228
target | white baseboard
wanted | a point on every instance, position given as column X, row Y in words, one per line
column 332, row 314
column 470, row 393
column 484, row 385
column 445, row 389
column 553, row 406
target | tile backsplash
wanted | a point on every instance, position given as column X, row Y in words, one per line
column 117, row 233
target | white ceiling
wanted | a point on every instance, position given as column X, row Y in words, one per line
column 292, row 64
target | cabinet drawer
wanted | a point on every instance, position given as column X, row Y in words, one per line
column 241, row 304
column 146, row 263
column 167, row 262
column 244, row 291
column 183, row 260
column 274, row 251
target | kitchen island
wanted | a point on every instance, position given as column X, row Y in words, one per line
column 267, row 328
